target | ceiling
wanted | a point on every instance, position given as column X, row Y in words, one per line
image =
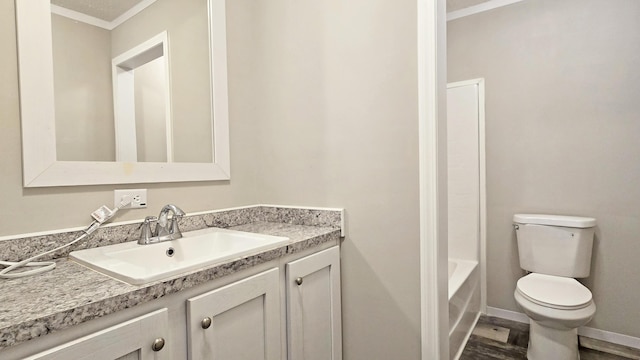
column 107, row 10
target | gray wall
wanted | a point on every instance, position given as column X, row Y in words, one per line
column 562, row 128
column 323, row 106
column 338, row 127
column 83, row 91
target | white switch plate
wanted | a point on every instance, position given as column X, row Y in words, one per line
column 138, row 198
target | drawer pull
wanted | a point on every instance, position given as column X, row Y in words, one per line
column 158, row 344
column 206, row 322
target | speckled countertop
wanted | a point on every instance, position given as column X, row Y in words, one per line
column 72, row 294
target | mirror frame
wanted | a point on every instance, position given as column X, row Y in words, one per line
column 40, row 165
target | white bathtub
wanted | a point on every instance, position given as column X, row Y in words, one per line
column 464, row 303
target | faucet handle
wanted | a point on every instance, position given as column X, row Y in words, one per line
column 147, row 222
column 175, row 229
column 146, row 234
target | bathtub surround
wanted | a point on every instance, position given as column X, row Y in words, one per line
column 464, row 303
column 466, row 170
column 81, row 294
column 562, row 91
column 466, row 209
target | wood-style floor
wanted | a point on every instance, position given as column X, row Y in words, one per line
column 495, row 338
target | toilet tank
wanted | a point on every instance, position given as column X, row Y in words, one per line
column 555, row 244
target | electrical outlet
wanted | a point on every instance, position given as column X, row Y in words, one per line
column 138, row 198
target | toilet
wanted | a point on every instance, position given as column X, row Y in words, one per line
column 555, row 250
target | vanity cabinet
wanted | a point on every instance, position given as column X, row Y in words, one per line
column 286, row 309
column 314, row 330
column 142, row 338
column 238, row 321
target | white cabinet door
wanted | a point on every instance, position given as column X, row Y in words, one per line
column 313, row 307
column 130, row 340
column 238, row 321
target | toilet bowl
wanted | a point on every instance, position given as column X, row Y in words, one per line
column 556, row 306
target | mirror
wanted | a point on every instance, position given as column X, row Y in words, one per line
column 153, row 110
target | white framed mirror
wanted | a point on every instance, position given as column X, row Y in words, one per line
column 47, row 132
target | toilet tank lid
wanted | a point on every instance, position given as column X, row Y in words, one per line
column 555, row 220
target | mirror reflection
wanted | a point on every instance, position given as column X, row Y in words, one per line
column 132, row 80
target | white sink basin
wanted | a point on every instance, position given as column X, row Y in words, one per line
column 141, row 264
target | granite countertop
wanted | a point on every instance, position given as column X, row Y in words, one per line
column 72, row 294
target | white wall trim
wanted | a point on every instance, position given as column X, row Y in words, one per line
column 433, row 195
column 483, row 194
column 466, row 83
column 131, row 13
column 486, row 6
column 91, row 20
column 78, row 16
column 593, row 333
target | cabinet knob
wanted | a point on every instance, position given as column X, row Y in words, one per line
column 158, row 344
column 206, row 322
column 299, row 281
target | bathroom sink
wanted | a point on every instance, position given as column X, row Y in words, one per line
column 141, row 264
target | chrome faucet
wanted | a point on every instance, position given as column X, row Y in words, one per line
column 166, row 228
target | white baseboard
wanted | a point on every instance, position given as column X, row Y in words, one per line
column 593, row 333
column 609, row 336
column 507, row 314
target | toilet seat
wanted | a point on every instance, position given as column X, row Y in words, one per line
column 554, row 291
